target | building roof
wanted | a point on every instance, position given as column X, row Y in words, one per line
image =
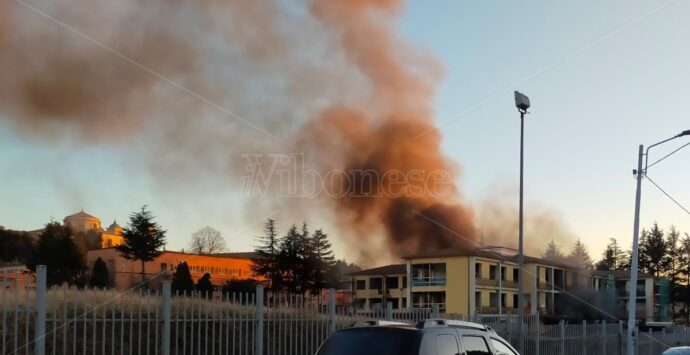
column 394, row 269
column 621, row 274
column 81, row 214
column 237, row 255
column 489, row 253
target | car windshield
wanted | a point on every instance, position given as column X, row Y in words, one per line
column 372, row 341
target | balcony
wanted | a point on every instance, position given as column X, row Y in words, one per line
column 543, row 285
column 487, row 282
column 428, row 281
column 509, row 284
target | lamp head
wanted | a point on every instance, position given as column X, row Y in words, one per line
column 684, row 133
column 521, row 101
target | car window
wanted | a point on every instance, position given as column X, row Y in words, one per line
column 501, row 348
column 372, row 341
column 475, row 345
column 447, row 345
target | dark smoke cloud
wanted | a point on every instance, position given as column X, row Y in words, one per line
column 329, row 78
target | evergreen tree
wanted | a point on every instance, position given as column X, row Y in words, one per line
column 579, row 257
column 235, row 286
column 182, row 282
column 266, row 264
column 63, row 258
column 340, row 271
column 289, row 259
column 685, row 271
column 322, row 260
column 613, row 257
column 142, row 239
column 553, row 252
column 100, row 277
column 673, row 261
column 653, row 257
column 205, row 286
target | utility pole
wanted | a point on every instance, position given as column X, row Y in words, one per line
column 632, row 300
column 522, row 103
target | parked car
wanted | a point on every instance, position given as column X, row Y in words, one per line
column 430, row 337
column 681, row 350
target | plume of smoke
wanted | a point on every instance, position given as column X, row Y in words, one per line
column 169, row 79
column 497, row 218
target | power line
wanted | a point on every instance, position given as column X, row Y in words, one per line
column 667, row 195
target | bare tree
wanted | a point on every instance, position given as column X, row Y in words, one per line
column 207, row 240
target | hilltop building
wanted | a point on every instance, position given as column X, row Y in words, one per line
column 90, row 226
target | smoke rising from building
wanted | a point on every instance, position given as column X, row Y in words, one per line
column 190, row 86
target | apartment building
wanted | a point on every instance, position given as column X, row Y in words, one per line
column 465, row 282
column 374, row 288
column 652, row 295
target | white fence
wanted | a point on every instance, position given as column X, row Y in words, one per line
column 70, row 321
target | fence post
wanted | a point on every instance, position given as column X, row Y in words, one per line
column 621, row 337
column 584, row 336
column 603, row 336
column 167, row 306
column 259, row 321
column 562, row 328
column 40, row 339
column 331, row 309
column 537, row 341
column 436, row 311
column 389, row 311
column 651, row 343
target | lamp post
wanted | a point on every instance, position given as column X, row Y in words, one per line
column 632, row 299
column 522, row 103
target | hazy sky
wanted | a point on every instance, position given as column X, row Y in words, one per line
column 603, row 78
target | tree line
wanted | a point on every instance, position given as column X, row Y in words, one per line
column 299, row 261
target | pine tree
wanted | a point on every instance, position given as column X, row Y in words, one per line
column 266, row 264
column 685, row 271
column 182, row 282
column 613, row 257
column 673, row 261
column 57, row 250
column 205, row 286
column 653, row 251
column 553, row 252
column 579, row 257
column 289, row 259
column 142, row 239
column 322, row 260
column 99, row 275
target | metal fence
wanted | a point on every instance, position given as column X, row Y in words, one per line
column 70, row 321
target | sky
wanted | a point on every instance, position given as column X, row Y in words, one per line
column 603, row 78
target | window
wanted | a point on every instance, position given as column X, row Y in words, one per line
column 375, row 283
column 164, row 267
column 492, row 272
column 502, row 348
column 515, row 301
column 475, row 345
column 493, row 302
column 446, row 345
column 504, row 300
column 391, row 282
column 361, row 284
column 503, row 273
column 516, row 275
column 404, row 282
column 478, row 299
column 478, row 271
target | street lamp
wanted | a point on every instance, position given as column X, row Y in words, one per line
column 632, row 299
column 522, row 103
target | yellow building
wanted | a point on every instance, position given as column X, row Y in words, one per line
column 90, row 226
column 374, row 288
column 466, row 282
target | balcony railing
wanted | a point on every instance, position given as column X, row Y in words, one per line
column 509, row 284
column 487, row 282
column 428, row 281
column 542, row 285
